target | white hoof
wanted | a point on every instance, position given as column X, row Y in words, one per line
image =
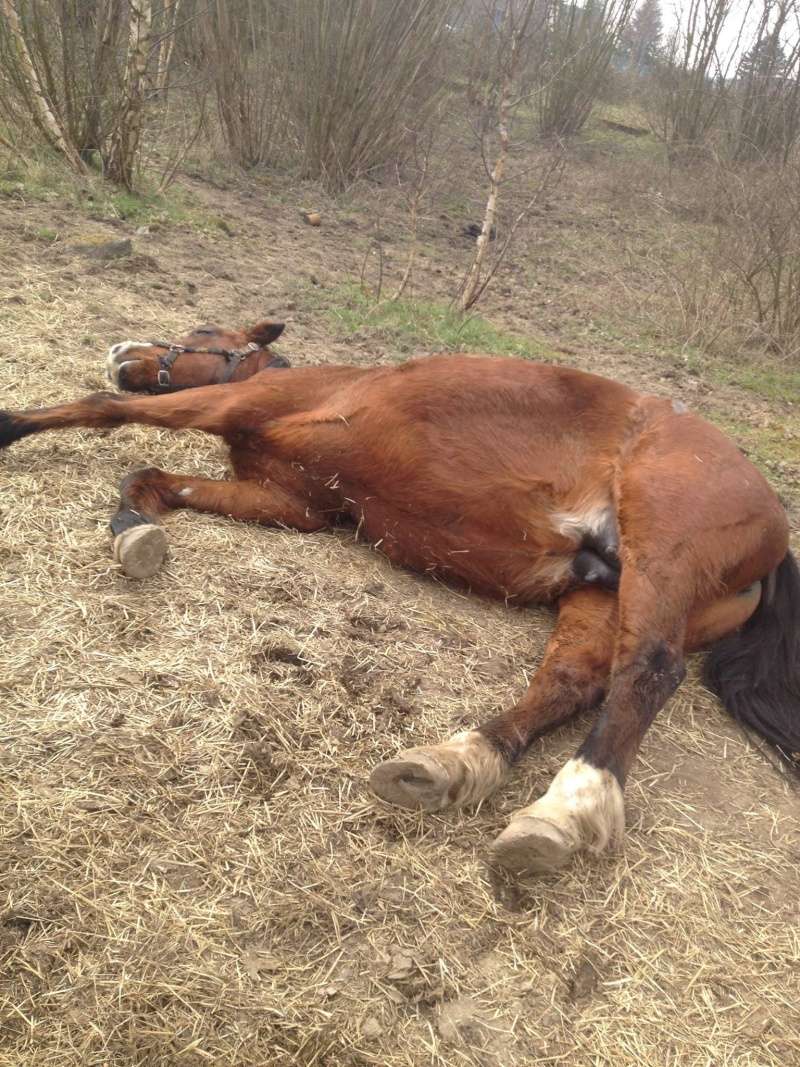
column 460, row 771
column 582, row 809
column 531, row 846
column 140, row 551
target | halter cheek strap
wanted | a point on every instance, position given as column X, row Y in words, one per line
column 232, row 356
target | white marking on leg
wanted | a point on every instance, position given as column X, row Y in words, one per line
column 586, row 805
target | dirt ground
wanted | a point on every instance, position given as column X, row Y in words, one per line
column 192, row 869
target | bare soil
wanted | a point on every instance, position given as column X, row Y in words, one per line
column 192, row 869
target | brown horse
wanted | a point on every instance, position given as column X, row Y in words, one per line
column 647, row 526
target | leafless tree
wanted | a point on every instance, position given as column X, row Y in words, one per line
column 124, row 149
column 507, row 32
column 30, row 88
column 572, row 60
column 765, row 98
column 362, row 73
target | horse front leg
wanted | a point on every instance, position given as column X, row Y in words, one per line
column 472, row 764
column 140, row 544
column 209, row 408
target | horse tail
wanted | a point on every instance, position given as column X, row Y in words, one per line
column 755, row 671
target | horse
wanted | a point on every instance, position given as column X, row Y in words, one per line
column 641, row 523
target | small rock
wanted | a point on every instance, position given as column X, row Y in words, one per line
column 108, row 250
column 461, row 1022
column 371, row 1029
column 291, row 305
column 584, row 981
column 402, row 967
column 142, row 231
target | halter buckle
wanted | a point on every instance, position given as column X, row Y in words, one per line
column 163, row 377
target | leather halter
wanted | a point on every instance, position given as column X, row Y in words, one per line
column 232, row 356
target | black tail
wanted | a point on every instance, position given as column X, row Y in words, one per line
column 756, row 671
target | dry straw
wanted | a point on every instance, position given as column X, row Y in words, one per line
column 192, row 870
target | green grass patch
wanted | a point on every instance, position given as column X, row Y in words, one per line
column 598, row 135
column 768, row 380
column 46, row 233
column 775, row 445
column 413, row 325
column 48, row 180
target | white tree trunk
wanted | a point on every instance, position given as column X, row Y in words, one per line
column 43, row 114
column 514, row 26
column 127, row 136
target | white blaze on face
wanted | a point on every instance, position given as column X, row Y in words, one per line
column 117, row 354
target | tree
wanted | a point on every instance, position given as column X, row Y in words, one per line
column 642, row 37
column 766, row 59
column 22, row 70
column 124, row 152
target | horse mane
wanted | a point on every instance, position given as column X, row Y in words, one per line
column 755, row 671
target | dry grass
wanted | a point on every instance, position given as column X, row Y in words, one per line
column 192, row 870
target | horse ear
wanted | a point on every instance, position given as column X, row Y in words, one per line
column 264, row 333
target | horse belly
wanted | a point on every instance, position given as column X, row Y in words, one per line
column 529, row 571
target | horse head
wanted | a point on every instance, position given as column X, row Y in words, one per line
column 209, row 355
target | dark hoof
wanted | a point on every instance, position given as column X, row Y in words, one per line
column 12, row 429
column 126, row 519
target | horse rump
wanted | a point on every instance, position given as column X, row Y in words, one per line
column 755, row 671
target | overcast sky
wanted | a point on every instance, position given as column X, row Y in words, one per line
column 743, row 13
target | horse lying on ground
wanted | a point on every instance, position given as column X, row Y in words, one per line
column 646, row 525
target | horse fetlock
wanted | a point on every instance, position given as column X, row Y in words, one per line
column 140, row 550
column 582, row 809
column 458, row 772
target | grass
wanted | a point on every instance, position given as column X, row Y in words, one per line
column 596, row 134
column 47, row 180
column 410, row 325
column 771, row 381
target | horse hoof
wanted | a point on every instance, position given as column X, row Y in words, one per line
column 413, row 780
column 460, row 771
column 531, row 846
column 140, row 551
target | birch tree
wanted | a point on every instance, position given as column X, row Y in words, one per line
column 31, row 89
column 126, row 138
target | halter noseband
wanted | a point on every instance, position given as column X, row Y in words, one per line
column 232, row 356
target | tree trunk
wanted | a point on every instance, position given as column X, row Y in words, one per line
column 472, row 286
column 43, row 115
column 168, row 33
column 127, row 136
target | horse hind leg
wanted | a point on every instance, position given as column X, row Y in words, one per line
column 469, row 766
column 675, row 551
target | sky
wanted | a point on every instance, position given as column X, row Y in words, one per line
column 743, row 12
